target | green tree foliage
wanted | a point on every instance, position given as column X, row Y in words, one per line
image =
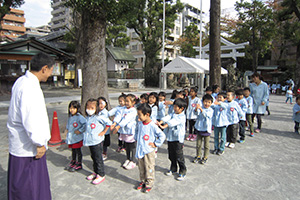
column 289, row 15
column 256, row 25
column 146, row 18
column 188, row 40
column 116, row 35
column 5, row 6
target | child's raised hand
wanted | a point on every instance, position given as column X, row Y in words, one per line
column 152, row 144
column 217, row 102
column 77, row 132
column 112, row 126
column 102, row 133
column 198, row 106
column 116, row 129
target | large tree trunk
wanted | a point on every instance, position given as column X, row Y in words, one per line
column 94, row 69
column 214, row 44
column 151, row 72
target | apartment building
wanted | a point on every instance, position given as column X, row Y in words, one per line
column 12, row 24
column 61, row 16
column 188, row 16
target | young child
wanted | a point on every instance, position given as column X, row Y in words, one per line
column 93, row 137
column 171, row 101
column 216, row 90
column 117, row 112
column 289, row 95
column 148, row 136
column 209, row 91
column 203, row 127
column 144, row 98
column 296, row 114
column 126, row 127
column 249, row 112
column 175, row 132
column 161, row 105
column 244, row 106
column 153, row 103
column 220, row 122
column 103, row 112
column 191, row 116
column 234, row 112
column 75, row 128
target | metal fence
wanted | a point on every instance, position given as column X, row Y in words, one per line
column 126, row 74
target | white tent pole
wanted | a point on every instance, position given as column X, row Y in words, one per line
column 200, row 38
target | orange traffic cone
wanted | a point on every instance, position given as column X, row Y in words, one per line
column 55, row 133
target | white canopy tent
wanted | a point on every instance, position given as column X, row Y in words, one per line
column 184, row 65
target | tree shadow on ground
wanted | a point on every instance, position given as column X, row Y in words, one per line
column 281, row 133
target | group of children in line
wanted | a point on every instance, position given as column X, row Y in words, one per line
column 143, row 124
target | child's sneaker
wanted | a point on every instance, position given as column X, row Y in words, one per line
column 76, row 167
column 140, row 186
column 125, row 163
column 231, row 145
column 241, row 141
column 91, row 177
column 70, row 165
column 194, row 137
column 203, row 161
column 169, row 173
column 197, row 159
column 220, row 152
column 119, row 149
column 180, row 177
column 215, row 151
column 247, row 128
column 123, row 149
column 104, row 156
column 147, row 189
column 251, row 134
column 130, row 165
column 98, row 180
column 227, row 144
column 257, row 130
column 189, row 138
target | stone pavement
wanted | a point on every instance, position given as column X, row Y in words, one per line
column 266, row 166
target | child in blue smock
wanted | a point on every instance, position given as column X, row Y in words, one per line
column 93, row 137
column 103, row 112
column 234, row 113
column 203, row 127
column 161, row 105
column 153, row 103
column 191, row 116
column 244, row 106
column 296, row 114
column 148, row 136
column 249, row 112
column 75, row 128
column 171, row 101
column 117, row 113
column 126, row 127
column 175, row 132
column 216, row 90
column 220, row 122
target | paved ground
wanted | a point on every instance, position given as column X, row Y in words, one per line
column 266, row 166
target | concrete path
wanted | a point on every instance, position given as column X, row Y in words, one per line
column 266, row 166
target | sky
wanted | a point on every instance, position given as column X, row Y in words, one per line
column 38, row 12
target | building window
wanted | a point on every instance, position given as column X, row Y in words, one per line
column 134, row 47
column 177, row 30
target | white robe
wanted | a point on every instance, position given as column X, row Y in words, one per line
column 28, row 122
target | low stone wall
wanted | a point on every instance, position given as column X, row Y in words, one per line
column 124, row 83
